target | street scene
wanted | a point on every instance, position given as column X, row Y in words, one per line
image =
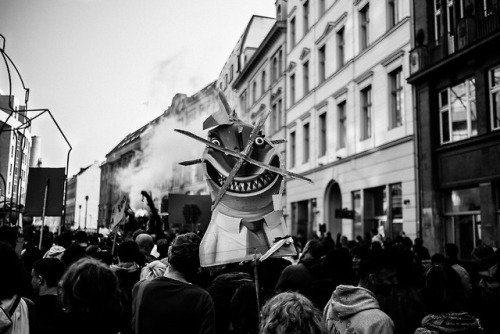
column 237, row 166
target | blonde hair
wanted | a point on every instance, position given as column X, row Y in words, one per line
column 152, row 270
column 291, row 313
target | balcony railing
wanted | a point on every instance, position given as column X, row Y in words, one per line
column 469, row 30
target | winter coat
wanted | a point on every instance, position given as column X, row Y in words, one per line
column 462, row 323
column 354, row 309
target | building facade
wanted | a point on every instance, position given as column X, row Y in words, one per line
column 15, row 145
column 349, row 118
column 456, row 77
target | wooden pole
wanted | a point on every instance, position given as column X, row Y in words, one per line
column 256, row 278
column 114, row 241
column 43, row 212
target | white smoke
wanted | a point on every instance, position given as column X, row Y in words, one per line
column 162, row 150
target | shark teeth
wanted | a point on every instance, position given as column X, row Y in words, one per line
column 248, row 186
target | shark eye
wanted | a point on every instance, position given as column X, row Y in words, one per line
column 259, row 141
column 215, row 141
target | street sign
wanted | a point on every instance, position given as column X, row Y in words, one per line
column 344, row 213
column 118, row 212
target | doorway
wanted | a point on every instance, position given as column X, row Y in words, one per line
column 333, row 201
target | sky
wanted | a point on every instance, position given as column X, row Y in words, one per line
column 104, row 68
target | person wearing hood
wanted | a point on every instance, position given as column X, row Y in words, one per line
column 303, row 276
column 355, row 309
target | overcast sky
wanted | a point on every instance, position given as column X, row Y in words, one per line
column 106, row 67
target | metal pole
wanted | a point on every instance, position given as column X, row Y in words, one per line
column 79, row 216
column 86, row 205
column 43, row 212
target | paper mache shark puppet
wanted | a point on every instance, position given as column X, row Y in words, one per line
column 244, row 173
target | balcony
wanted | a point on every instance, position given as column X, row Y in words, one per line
column 469, row 31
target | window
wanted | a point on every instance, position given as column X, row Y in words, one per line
column 305, row 8
column 463, row 219
column 340, row 48
column 274, row 69
column 305, row 155
column 280, row 113
column 305, row 69
column 341, row 128
column 364, row 21
column 263, row 83
column 292, row 149
column 457, row 108
column 231, row 73
column 243, row 101
column 495, row 98
column 225, row 81
column 437, row 20
column 292, row 88
column 321, row 7
column 254, row 91
column 392, row 13
column 356, row 207
column 280, row 62
column 322, row 63
column 274, row 117
column 292, row 32
column 450, row 25
column 397, row 96
column 366, row 113
column 322, row 134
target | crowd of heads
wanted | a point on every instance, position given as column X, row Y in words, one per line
column 93, row 279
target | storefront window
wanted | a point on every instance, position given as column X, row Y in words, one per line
column 463, row 219
column 356, row 206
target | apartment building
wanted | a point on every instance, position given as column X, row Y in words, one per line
column 349, row 118
column 455, row 70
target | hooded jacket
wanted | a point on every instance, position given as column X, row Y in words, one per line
column 463, row 323
column 354, row 309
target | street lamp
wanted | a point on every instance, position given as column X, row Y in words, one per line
column 80, row 216
column 86, row 205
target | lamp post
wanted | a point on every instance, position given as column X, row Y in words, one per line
column 80, row 216
column 86, row 205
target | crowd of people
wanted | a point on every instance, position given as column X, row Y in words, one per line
column 138, row 282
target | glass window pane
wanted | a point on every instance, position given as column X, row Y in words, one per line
column 445, row 126
column 396, row 201
column 443, row 98
column 462, row 200
column 356, row 203
column 495, row 77
column 495, row 101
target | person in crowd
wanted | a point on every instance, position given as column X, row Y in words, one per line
column 146, row 244
column 355, row 308
column 421, row 253
column 82, row 239
column 72, row 254
column 91, row 298
column 152, row 270
column 128, row 272
column 222, row 290
column 291, row 312
column 488, row 262
column 171, row 303
column 444, row 298
column 377, row 237
column 45, row 277
column 59, row 246
column 451, row 251
column 303, row 276
column 162, row 246
column 17, row 314
column 244, row 310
